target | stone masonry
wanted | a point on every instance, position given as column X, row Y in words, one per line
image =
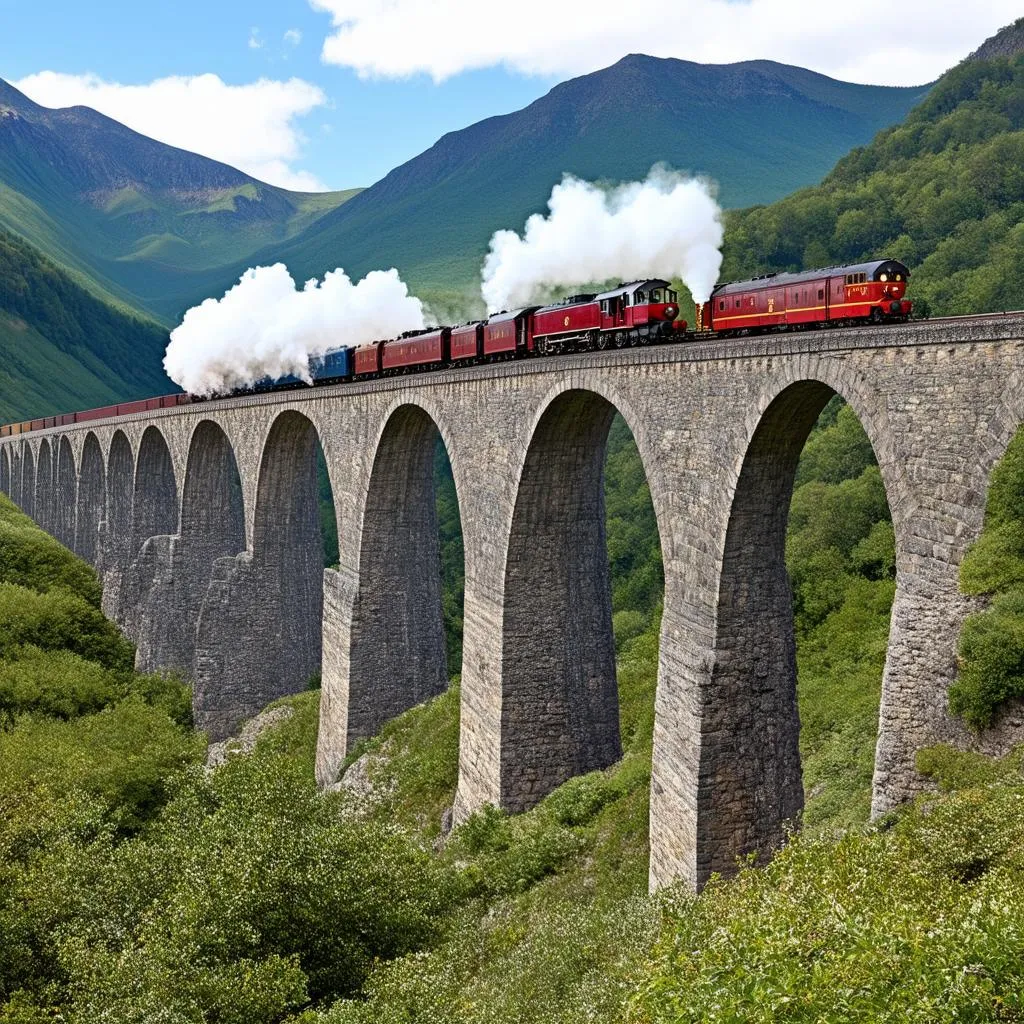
column 203, row 523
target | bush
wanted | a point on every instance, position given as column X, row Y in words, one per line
column 125, row 756
column 992, row 661
column 60, row 620
column 56, row 683
column 34, row 559
column 920, row 922
column 992, row 641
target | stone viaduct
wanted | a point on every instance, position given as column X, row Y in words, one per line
column 203, row 522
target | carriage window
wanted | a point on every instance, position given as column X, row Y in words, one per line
column 821, row 293
column 737, row 303
column 721, row 305
column 639, row 298
column 656, row 295
column 671, row 295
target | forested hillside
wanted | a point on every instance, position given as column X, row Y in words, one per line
column 943, row 191
column 433, row 216
column 136, row 220
column 61, row 347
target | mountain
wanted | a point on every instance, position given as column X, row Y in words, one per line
column 760, row 129
column 63, row 348
column 943, row 191
column 140, row 223
column 1007, row 42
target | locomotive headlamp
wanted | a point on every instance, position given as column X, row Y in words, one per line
column 884, row 277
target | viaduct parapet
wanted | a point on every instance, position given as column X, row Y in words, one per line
column 203, row 522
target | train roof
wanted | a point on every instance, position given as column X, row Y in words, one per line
column 769, row 280
column 622, row 289
column 510, row 314
column 654, row 282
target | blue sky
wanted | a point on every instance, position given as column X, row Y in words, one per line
column 334, row 93
column 365, row 127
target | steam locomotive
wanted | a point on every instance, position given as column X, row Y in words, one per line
column 639, row 313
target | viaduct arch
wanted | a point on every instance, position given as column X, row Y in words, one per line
column 206, row 515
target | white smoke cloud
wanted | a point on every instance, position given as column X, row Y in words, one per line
column 266, row 327
column 667, row 226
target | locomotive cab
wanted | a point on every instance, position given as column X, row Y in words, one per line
column 639, row 304
column 876, row 290
column 653, row 301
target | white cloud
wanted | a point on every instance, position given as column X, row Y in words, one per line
column 252, row 126
column 872, row 41
column 255, row 43
column 293, row 36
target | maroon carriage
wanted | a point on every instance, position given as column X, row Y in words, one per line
column 835, row 295
column 508, row 334
column 467, row 342
column 418, row 350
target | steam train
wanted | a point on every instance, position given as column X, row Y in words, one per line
column 640, row 313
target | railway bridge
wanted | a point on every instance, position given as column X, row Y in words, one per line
column 203, row 522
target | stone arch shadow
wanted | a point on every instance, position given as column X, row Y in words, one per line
column 384, row 634
column 115, row 542
column 212, row 526
column 259, row 631
column 559, row 690
column 28, row 483
column 748, row 777
column 92, row 501
column 16, row 475
column 65, row 494
column 5, row 471
column 45, row 485
column 154, row 520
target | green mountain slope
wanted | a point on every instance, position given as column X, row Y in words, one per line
column 61, row 347
column 137, row 220
column 760, row 129
column 943, row 191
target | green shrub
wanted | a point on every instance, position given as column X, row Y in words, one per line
column 626, row 625
column 923, row 922
column 992, row 641
column 124, row 755
column 954, row 769
column 34, row 559
column 60, row 620
column 992, row 661
column 166, row 692
column 511, row 854
column 56, row 683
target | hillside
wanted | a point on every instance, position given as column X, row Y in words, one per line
column 1008, row 42
column 758, row 128
column 943, row 191
column 139, row 221
column 63, row 348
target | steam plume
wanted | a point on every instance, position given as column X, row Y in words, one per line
column 667, row 226
column 266, row 327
